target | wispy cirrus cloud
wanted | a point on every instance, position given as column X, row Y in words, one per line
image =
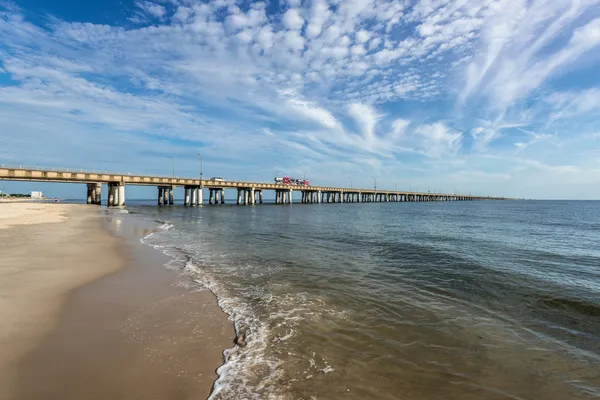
column 516, row 56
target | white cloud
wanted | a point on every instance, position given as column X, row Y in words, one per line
column 568, row 104
column 426, row 29
column 438, row 140
column 358, row 50
column 294, row 40
column 266, row 37
column 563, row 169
column 362, row 36
column 292, row 19
column 399, row 127
column 479, row 176
column 309, row 110
column 319, row 15
column 482, row 137
column 155, row 10
column 182, row 14
column 366, row 117
column 515, row 59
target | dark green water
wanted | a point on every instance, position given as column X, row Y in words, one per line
column 460, row 300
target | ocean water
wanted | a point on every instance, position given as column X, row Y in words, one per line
column 456, row 300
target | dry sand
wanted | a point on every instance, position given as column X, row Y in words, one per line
column 43, row 256
column 27, row 213
column 90, row 314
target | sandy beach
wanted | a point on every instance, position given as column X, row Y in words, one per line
column 89, row 312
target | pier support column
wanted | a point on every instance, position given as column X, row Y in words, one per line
column 121, row 189
column 159, row 201
column 186, row 197
column 98, row 194
column 239, row 196
column 252, row 196
column 193, row 196
column 222, row 196
column 260, row 199
column 290, row 195
column 200, row 196
column 115, row 195
column 111, row 195
column 171, row 199
column 210, row 196
column 89, row 193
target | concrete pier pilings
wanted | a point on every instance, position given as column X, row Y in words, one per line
column 121, row 189
column 192, row 196
column 249, row 196
column 116, row 194
column 283, row 196
column 94, row 193
column 165, row 196
column 311, row 196
column 216, row 196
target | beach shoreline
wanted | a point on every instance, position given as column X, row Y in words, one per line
column 92, row 313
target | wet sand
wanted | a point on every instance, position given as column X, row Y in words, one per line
column 95, row 315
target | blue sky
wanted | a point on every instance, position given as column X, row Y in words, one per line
column 498, row 97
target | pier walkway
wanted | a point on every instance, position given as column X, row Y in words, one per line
column 248, row 193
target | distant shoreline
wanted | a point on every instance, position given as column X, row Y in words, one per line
column 26, row 199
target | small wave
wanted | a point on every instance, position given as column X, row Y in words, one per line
column 164, row 226
column 234, row 377
column 584, row 307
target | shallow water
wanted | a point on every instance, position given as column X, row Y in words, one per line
column 457, row 300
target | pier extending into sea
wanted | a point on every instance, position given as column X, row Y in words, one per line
column 248, row 193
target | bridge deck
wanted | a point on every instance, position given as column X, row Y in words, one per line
column 83, row 176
